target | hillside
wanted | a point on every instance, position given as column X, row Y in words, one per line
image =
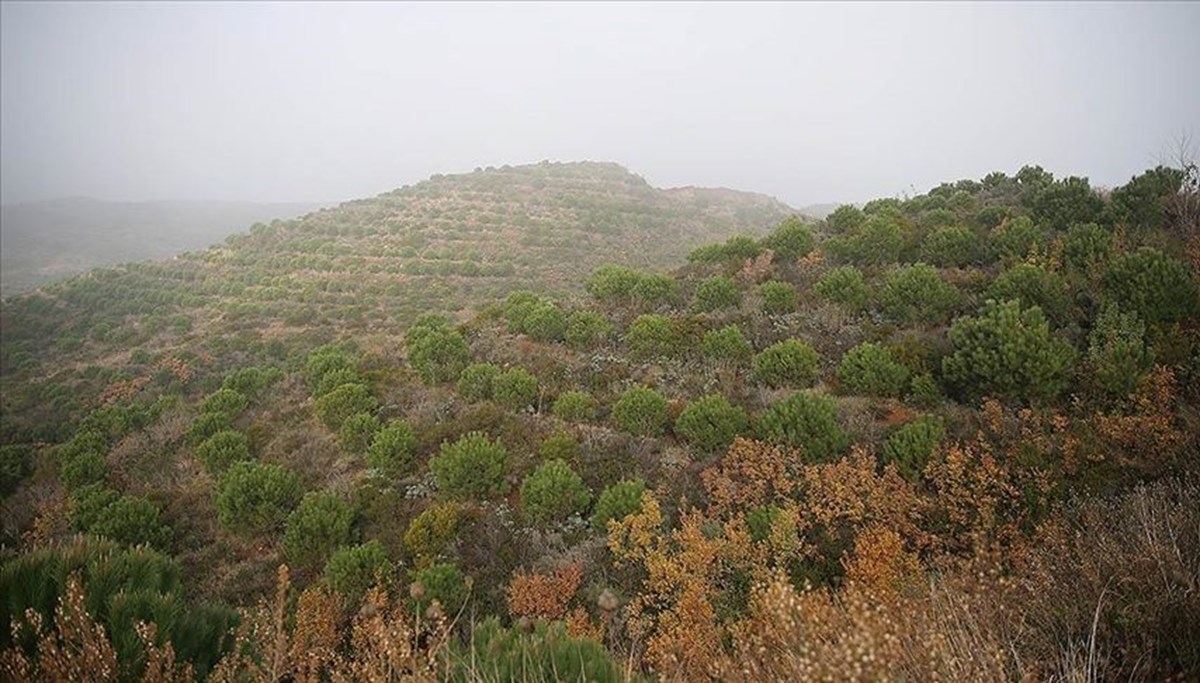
column 446, row 245
column 44, row 241
column 951, row 437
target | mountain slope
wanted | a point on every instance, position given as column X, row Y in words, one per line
column 47, row 240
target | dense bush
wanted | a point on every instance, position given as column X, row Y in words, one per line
column 545, row 322
column 1141, row 203
column 334, row 379
column 1117, row 353
column 790, row 363
column 1066, row 201
column 206, row 425
column 358, row 431
column 517, row 308
column 1032, row 286
column 393, row 448
column 846, row 218
column 1086, row 246
column 252, row 381
column 131, row 520
column 475, row 382
column 952, row 246
column 911, row 446
column 1013, row 239
column 652, row 336
column 515, row 389
column 879, row 240
column 917, row 293
column 587, row 329
column 432, row 531
column 1008, row 352
column 735, row 249
column 1155, row 286
column 711, row 423
column 778, row 298
column 317, row 527
column 790, row 240
column 471, row 467
column 924, row 391
column 351, row 571
column 545, row 652
column 618, row 285
column 871, row 369
column 553, row 492
column 807, row 422
column 256, row 496
column 444, row 583
column 726, row 344
column 227, row 401
column 575, row 406
column 222, row 449
column 437, row 352
column 86, row 468
column 617, row 501
column 323, row 361
column 15, row 463
column 641, row 411
column 844, row 285
column 337, row 406
column 560, row 445
column 715, row 293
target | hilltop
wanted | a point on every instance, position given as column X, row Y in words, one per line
column 44, row 241
column 952, row 436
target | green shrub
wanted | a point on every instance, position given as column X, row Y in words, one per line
column 1155, row 286
column 759, row 521
column 515, row 389
column 726, row 344
column 517, row 309
column 846, row 218
column 790, row 240
column 954, row 246
column 1007, row 352
column 715, row 293
column 444, row 583
column 317, row 527
column 432, row 531
column 227, row 401
column 711, row 423
column 924, row 391
column 358, row 431
column 351, row 571
column 641, row 411
column 131, row 520
column 256, row 496
column 575, row 406
column 475, row 382
column 1086, row 246
column 917, row 293
column 587, row 329
column 553, row 492
column 548, row 652
column 612, row 283
column 223, row 449
column 15, row 463
column 1142, row 202
column 807, row 422
column 653, row 290
column 335, row 379
column 1032, row 286
column 618, row 501
column 323, row 361
column 559, row 446
column 546, row 323
column 1117, row 353
column 789, row 363
column 86, row 468
column 778, row 298
column 879, row 240
column 393, row 448
column 911, row 446
column 252, row 381
column 471, row 467
column 737, row 248
column 88, row 502
column 872, row 370
column 205, row 426
column 1015, row 238
column 337, row 406
column 1066, row 201
column 437, row 352
column 651, row 336
column 844, row 285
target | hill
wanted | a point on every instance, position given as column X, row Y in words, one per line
column 946, row 437
column 44, row 241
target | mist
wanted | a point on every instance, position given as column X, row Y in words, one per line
column 810, row 103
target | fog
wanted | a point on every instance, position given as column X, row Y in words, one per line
column 809, row 103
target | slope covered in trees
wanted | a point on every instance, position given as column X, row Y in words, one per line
column 952, row 436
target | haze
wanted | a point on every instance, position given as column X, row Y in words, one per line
column 809, row 103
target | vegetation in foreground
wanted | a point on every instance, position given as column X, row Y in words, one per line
column 950, row 436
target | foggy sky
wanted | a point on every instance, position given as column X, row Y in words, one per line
column 810, row 103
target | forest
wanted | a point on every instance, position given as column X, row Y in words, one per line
column 548, row 422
